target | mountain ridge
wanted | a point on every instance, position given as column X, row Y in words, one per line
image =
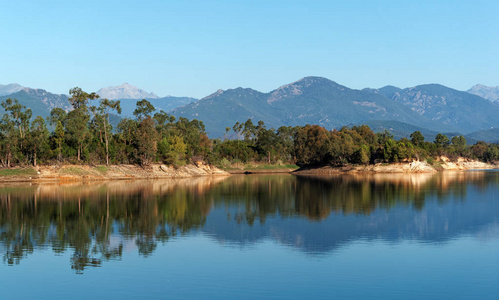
column 310, row 100
column 460, row 110
column 125, row 91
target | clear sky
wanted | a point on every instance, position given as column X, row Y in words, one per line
column 192, row 48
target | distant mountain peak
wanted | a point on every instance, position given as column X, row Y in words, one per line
column 125, row 91
column 490, row 93
column 39, row 92
column 298, row 87
column 9, row 89
column 481, row 86
column 213, row 95
column 314, row 80
column 285, row 91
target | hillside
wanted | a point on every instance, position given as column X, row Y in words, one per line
column 311, row 100
column 488, row 135
column 461, row 111
column 167, row 104
column 403, row 130
column 389, row 91
column 39, row 101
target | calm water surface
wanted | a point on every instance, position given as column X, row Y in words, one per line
column 413, row 236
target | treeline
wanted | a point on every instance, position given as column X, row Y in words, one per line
column 85, row 135
column 314, row 145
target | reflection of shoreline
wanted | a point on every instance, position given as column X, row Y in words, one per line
column 439, row 222
column 312, row 213
column 410, row 179
column 92, row 190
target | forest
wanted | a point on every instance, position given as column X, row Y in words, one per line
column 85, row 135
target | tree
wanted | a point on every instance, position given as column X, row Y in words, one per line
column 441, row 142
column 79, row 117
column 417, row 138
column 311, row 145
column 39, row 136
column 57, row 115
column 459, row 141
column 58, row 118
column 145, row 141
column 391, row 151
column 126, row 132
column 227, row 130
column 361, row 156
column 172, row 149
column 59, row 138
column 285, row 142
column 14, row 128
column 237, row 129
column 102, row 120
column 479, row 150
column 144, row 109
column 80, row 98
column 265, row 141
column 248, row 130
column 164, row 121
column 9, row 141
column 20, row 117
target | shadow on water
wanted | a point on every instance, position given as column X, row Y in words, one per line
column 95, row 222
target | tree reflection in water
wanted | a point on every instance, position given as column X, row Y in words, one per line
column 95, row 221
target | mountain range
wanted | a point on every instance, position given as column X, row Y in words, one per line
column 317, row 100
column 430, row 108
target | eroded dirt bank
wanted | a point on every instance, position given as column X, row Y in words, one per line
column 442, row 164
column 82, row 172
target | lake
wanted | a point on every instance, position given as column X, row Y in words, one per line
column 403, row 236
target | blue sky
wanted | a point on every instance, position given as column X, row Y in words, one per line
column 192, row 48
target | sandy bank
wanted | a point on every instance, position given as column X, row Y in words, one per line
column 83, row 172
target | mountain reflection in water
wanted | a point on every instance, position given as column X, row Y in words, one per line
column 96, row 222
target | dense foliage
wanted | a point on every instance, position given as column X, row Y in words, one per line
column 314, row 145
column 85, row 135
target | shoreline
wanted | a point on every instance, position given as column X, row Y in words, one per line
column 71, row 173
column 408, row 167
column 68, row 173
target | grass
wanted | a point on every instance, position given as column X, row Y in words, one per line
column 17, row 172
column 435, row 164
column 73, row 171
column 102, row 169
